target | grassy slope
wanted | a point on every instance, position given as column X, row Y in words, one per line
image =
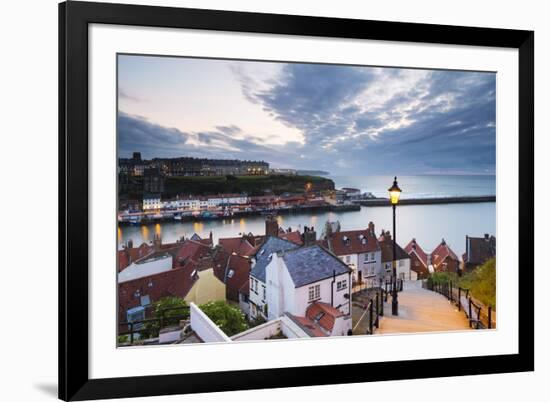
column 253, row 185
column 481, row 282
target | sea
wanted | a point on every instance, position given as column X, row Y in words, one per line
column 428, row 224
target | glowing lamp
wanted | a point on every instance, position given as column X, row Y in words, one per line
column 395, row 192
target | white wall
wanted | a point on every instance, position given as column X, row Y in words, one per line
column 244, row 305
column 280, row 289
column 257, row 298
column 342, row 325
column 260, row 332
column 302, row 296
column 404, row 269
column 284, row 297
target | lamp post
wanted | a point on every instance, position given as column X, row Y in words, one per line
column 395, row 192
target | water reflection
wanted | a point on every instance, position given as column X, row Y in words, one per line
column 427, row 223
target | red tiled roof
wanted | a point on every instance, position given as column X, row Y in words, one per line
column 324, row 314
column 294, row 237
column 414, row 248
column 192, row 250
column 220, row 262
column 224, row 263
column 237, row 245
column 241, row 271
column 311, row 328
column 441, row 252
column 175, row 282
column 353, row 244
column 130, row 255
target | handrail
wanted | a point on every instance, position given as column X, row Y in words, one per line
column 446, row 289
column 131, row 325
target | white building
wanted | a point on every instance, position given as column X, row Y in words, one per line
column 227, row 199
column 360, row 250
column 258, row 292
column 403, row 260
column 151, row 202
column 297, row 278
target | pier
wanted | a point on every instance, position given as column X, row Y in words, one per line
column 383, row 202
column 168, row 216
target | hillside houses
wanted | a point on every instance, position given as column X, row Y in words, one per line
column 298, row 277
column 184, row 269
column 419, row 259
column 258, row 282
column 360, row 250
column 402, row 258
column 444, row 259
column 282, row 276
column 478, row 250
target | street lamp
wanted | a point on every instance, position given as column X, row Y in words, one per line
column 395, row 192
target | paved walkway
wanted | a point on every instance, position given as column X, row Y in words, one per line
column 421, row 310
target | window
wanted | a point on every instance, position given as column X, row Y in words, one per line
column 401, row 263
column 314, row 292
column 348, row 259
column 341, row 285
column 145, row 300
column 230, row 273
column 372, row 256
column 263, row 292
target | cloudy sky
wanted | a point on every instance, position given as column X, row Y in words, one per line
column 342, row 119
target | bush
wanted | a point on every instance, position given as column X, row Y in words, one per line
column 482, row 283
column 170, row 317
column 228, row 318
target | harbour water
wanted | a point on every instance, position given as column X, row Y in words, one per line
column 427, row 223
column 426, row 186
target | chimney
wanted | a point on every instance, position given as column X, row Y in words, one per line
column 371, row 228
column 387, row 236
column 250, row 238
column 157, row 241
column 310, row 236
column 211, row 238
column 487, row 236
column 467, row 249
column 271, row 226
column 130, row 243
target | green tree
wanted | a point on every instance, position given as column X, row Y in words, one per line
column 230, row 319
column 170, row 310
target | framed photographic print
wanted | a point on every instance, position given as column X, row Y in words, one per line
column 258, row 201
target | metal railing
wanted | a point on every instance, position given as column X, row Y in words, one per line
column 150, row 327
column 373, row 310
column 479, row 315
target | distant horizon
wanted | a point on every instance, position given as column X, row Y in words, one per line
column 322, row 170
column 307, row 116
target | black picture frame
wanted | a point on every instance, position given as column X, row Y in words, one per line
column 74, row 18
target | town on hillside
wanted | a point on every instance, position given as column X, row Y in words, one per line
column 184, row 189
column 285, row 283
